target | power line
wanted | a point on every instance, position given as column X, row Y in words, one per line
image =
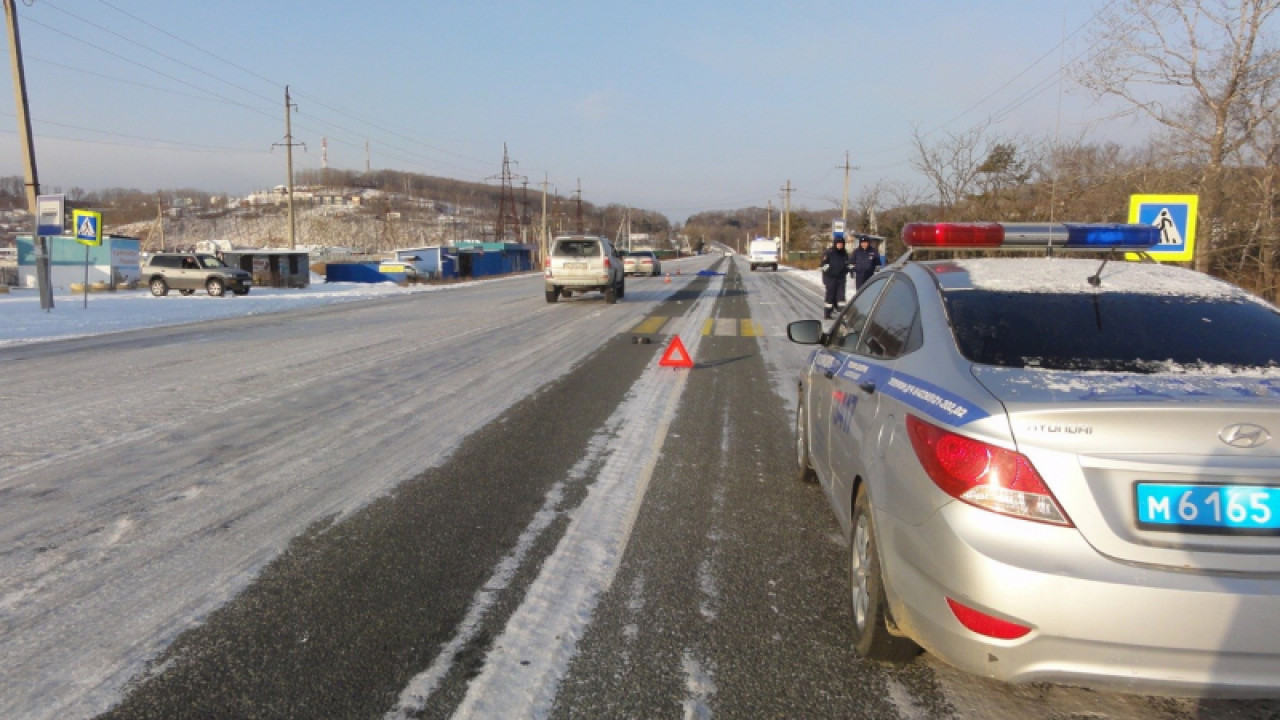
column 166, row 56
column 301, row 96
column 1017, row 102
column 410, row 157
column 131, row 61
column 172, row 147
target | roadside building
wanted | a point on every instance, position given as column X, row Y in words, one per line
column 495, row 258
column 114, row 263
column 430, row 262
column 271, row 267
column 465, row 260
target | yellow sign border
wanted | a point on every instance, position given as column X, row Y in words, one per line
column 1193, row 206
column 75, row 223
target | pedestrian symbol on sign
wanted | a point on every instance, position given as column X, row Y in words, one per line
column 88, row 225
column 1169, row 234
column 1175, row 216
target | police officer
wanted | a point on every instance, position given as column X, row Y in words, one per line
column 835, row 268
column 865, row 261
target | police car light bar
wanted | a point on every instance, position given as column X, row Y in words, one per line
column 1066, row 236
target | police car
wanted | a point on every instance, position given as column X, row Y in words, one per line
column 1054, row 468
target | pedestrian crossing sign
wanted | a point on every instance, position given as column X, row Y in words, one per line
column 88, row 226
column 1175, row 215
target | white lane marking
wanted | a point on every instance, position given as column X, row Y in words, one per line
column 527, row 661
column 700, row 685
column 413, row 699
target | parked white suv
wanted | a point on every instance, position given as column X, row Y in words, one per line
column 578, row 263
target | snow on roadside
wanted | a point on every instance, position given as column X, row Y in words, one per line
column 22, row 321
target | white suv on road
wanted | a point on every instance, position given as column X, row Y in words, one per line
column 581, row 263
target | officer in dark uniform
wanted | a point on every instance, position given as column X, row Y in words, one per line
column 835, row 269
column 865, row 261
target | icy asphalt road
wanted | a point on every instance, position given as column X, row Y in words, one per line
column 472, row 504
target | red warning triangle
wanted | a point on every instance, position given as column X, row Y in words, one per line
column 676, row 356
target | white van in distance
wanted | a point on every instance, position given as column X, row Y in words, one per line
column 763, row 252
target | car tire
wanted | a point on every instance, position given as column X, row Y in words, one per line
column 553, row 295
column 611, row 294
column 241, row 292
column 805, row 471
column 185, row 293
column 622, row 289
column 159, row 287
column 215, row 287
column 872, row 639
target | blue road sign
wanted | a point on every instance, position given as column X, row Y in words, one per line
column 1175, row 215
column 88, row 227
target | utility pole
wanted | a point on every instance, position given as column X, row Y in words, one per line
column 844, row 206
column 526, row 215
column 543, row 245
column 28, row 157
column 768, row 221
column 578, row 192
column 367, row 167
column 786, row 219
column 160, row 219
column 288, row 147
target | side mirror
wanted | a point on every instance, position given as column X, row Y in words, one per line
column 805, row 332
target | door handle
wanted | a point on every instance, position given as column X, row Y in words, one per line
column 867, row 387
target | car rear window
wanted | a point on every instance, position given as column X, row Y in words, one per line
column 577, row 248
column 1119, row 332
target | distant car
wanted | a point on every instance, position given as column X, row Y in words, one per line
column 642, row 262
column 582, row 263
column 188, row 272
column 1054, row 469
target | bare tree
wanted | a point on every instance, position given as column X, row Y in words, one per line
column 1262, row 192
column 1196, row 67
column 951, row 165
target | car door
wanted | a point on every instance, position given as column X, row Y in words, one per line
column 188, row 274
column 827, row 400
column 892, row 330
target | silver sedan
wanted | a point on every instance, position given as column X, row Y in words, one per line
column 1055, row 469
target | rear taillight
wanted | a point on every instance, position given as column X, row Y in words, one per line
column 984, row 475
column 607, row 264
column 547, row 263
column 985, row 624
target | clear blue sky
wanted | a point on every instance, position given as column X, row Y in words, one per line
column 671, row 105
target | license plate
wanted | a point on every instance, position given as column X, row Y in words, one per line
column 1224, row 509
column 575, row 266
